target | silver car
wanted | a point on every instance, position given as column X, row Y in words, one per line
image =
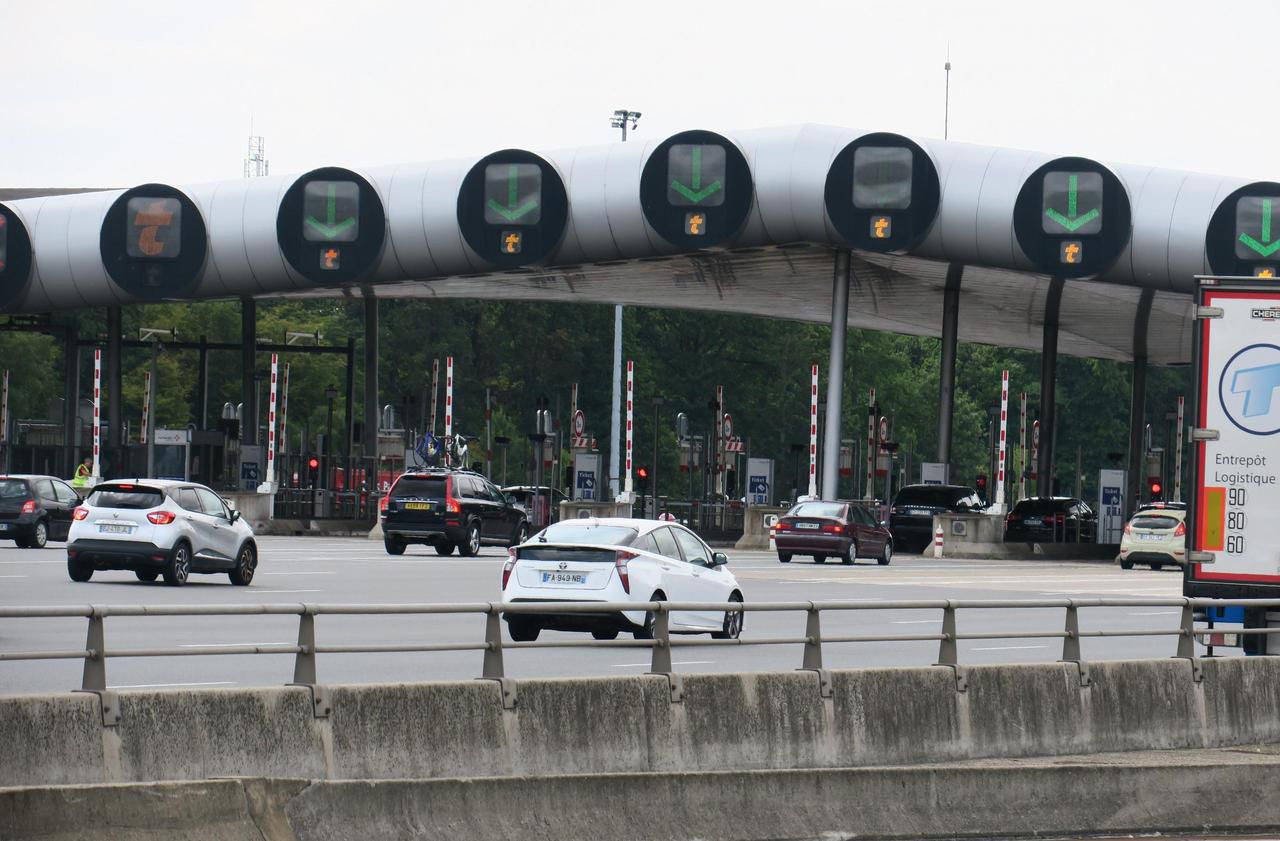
column 159, row 527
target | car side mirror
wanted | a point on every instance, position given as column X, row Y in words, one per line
column 235, row 515
column 884, row 524
column 719, row 559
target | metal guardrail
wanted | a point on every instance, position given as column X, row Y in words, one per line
column 95, row 652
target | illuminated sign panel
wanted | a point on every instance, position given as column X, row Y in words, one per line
column 511, row 242
column 512, row 195
column 1255, row 238
column 1071, row 252
column 881, row 227
column 153, row 228
column 882, row 177
column 695, row 224
column 695, row 175
column 1072, row 203
column 331, row 211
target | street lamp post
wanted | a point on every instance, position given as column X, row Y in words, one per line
column 658, row 402
column 330, row 393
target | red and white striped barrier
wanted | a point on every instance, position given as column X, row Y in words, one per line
column 937, row 542
column 813, row 431
column 448, row 396
column 97, row 416
column 269, row 484
column 631, row 386
column 1004, row 444
column 146, row 406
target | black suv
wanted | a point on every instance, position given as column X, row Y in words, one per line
column 1055, row 519
column 35, row 509
column 911, row 515
column 450, row 508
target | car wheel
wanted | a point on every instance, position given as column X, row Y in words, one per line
column 523, row 629
column 39, row 536
column 1126, row 565
column 146, row 575
column 819, row 559
column 605, row 635
column 472, row 546
column 179, row 565
column 522, row 534
column 444, row 549
column 79, row 570
column 1157, row 566
column 650, row 620
column 850, row 554
column 887, row 555
column 732, row 621
column 246, row 563
column 21, row 543
column 784, row 558
column 394, row 545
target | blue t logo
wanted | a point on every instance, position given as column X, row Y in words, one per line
column 1257, row 384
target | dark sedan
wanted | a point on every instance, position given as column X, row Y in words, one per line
column 1051, row 519
column 35, row 509
column 911, row 516
column 832, row 529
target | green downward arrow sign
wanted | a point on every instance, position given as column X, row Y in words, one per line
column 1071, row 221
column 513, row 210
column 1266, row 248
column 697, row 192
column 331, row 228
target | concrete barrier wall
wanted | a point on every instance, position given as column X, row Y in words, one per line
column 630, row 725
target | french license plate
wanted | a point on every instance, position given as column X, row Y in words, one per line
column 1151, row 536
column 114, row 528
column 4, row 526
column 806, row 525
column 417, row 506
column 1034, row 521
column 564, row 578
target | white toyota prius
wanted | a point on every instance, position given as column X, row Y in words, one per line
column 619, row 560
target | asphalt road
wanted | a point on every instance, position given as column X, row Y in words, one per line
column 355, row 570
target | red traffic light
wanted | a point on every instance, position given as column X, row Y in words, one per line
column 313, row 463
column 642, row 472
column 1154, row 487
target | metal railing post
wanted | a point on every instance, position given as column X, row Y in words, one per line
column 493, row 644
column 1071, row 642
column 813, row 639
column 1187, row 641
column 947, row 653
column 661, row 663
column 304, row 662
column 94, row 678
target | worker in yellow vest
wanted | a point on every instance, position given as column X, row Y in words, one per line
column 83, row 472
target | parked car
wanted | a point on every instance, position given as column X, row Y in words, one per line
column 532, row 497
column 832, row 529
column 911, row 514
column 619, row 560
column 1156, row 535
column 158, row 527
column 35, row 509
column 1051, row 519
column 448, row 509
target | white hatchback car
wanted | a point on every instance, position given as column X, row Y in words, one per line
column 159, row 527
column 618, row 560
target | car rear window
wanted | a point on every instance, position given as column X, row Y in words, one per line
column 425, row 487
column 13, row 489
column 931, row 497
column 1041, row 506
column 817, row 509
column 583, row 532
column 1153, row 521
column 567, row 553
column 133, row 497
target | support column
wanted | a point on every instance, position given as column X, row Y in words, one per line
column 71, row 401
column 202, row 385
column 349, row 402
column 835, row 376
column 1048, row 384
column 371, row 413
column 248, row 364
column 947, row 368
column 1138, row 401
column 615, row 410
column 115, row 462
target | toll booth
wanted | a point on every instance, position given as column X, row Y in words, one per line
column 586, row 477
column 1111, row 504
column 760, row 481
column 172, row 458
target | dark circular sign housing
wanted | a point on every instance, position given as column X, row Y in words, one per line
column 15, row 257
column 696, row 189
column 1243, row 237
column 153, row 242
column 513, row 208
column 882, row 193
column 1072, row 218
column 331, row 226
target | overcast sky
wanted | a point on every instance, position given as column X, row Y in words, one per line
column 123, row 92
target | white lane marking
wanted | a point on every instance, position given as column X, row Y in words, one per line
column 1157, row 613
column 13, row 576
column 297, row 573
column 231, row 644
column 159, row 685
column 288, row 591
column 674, row 663
column 32, row 562
column 915, row 621
column 1006, row 647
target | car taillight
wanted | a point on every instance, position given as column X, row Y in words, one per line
column 620, row 563
column 161, row 518
column 1181, row 530
column 80, row 513
column 1060, row 519
column 508, row 566
column 382, row 506
column 893, row 509
column 1128, row 528
column 29, row 507
column 450, row 504
column 830, row 529
column 781, row 525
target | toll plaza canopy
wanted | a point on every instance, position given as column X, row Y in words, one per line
column 747, row 223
